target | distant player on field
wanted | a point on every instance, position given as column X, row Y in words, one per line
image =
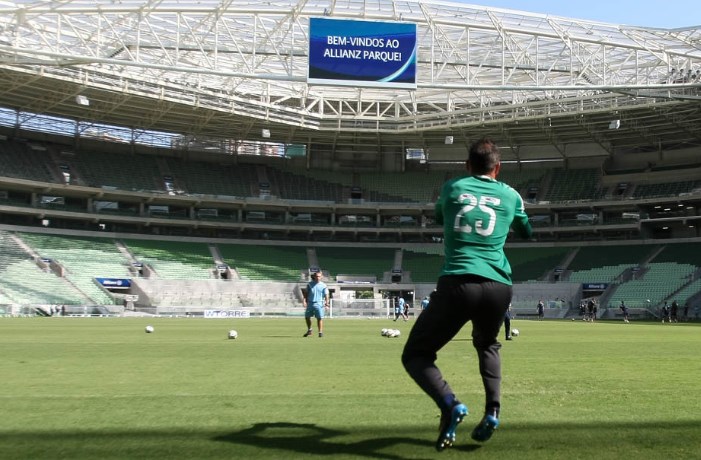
column 540, row 309
column 507, row 323
column 665, row 312
column 424, row 303
column 673, row 312
column 316, row 299
column 624, row 310
column 399, row 303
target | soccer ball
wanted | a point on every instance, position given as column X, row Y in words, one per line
column 393, row 333
column 384, row 332
column 149, row 329
column 515, row 332
column 233, row 334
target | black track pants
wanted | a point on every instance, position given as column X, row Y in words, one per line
column 457, row 300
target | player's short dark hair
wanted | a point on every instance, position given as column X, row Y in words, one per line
column 484, row 156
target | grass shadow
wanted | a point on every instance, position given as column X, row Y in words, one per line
column 310, row 439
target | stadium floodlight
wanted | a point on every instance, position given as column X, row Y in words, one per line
column 82, row 100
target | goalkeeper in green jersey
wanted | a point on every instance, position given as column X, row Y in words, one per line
column 477, row 212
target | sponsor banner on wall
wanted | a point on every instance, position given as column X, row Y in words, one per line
column 362, row 53
column 227, row 314
column 114, row 283
column 594, row 286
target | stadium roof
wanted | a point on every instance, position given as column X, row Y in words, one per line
column 232, row 69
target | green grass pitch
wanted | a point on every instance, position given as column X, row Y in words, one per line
column 101, row 388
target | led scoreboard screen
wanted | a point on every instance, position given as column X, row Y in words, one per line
column 362, row 53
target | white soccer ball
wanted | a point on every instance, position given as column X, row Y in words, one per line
column 384, row 332
column 233, row 334
column 515, row 332
column 149, row 329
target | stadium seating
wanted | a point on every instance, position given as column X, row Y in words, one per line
column 21, row 161
column 665, row 189
column 424, row 266
column 521, row 179
column 356, row 260
column 174, row 259
column 658, row 282
column 685, row 253
column 411, row 186
column 573, row 184
column 612, row 264
column 125, row 172
column 591, row 257
column 603, row 274
column 276, row 263
column 201, row 177
column 533, row 264
column 688, row 292
column 607, row 264
column 24, row 282
column 180, row 297
column 649, row 274
column 83, row 259
column 291, row 186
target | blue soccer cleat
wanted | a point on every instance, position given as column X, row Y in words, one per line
column 449, row 423
column 485, row 428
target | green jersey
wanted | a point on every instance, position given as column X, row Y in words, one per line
column 477, row 213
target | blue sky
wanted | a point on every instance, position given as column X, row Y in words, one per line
column 649, row 13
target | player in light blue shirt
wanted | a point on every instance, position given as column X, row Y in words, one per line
column 316, row 299
column 424, row 303
column 398, row 307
